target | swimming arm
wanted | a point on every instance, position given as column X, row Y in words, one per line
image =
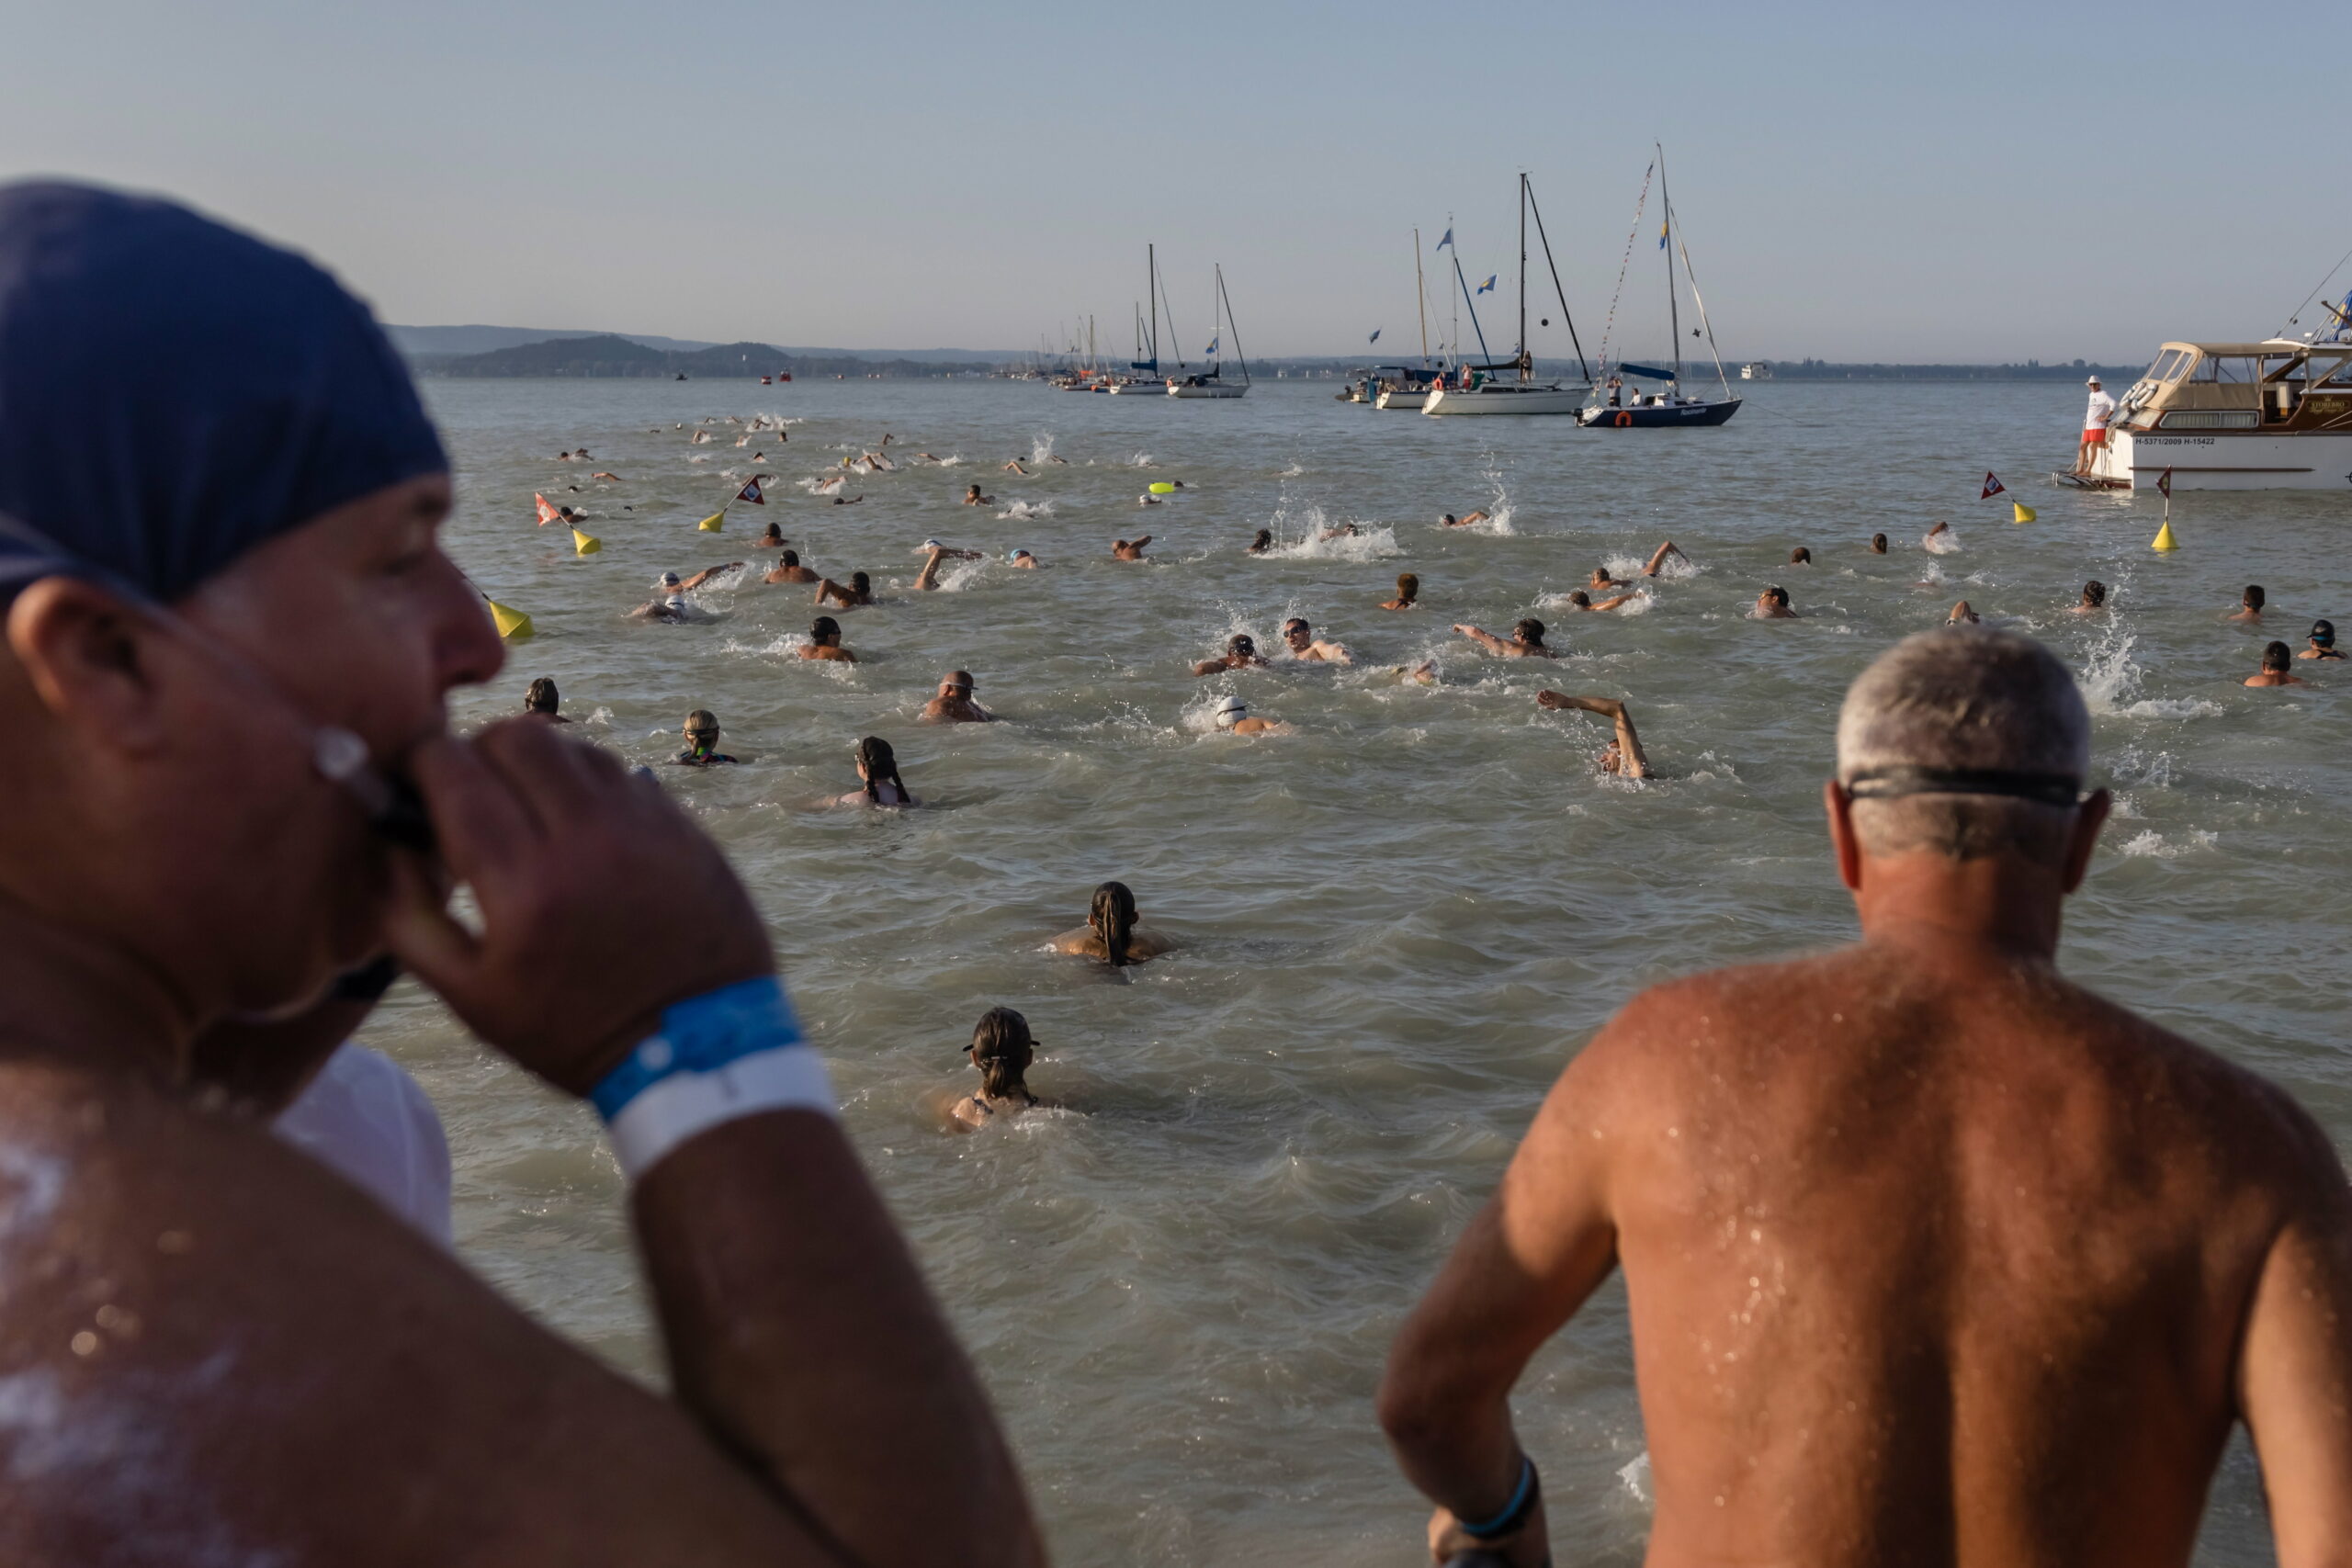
column 928, row 579
column 801, row 1335
column 1484, row 639
column 1658, row 558
column 698, row 579
column 1631, row 761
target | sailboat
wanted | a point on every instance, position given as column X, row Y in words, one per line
column 1409, row 389
column 1210, row 383
column 1483, row 392
column 1146, row 359
column 1667, row 406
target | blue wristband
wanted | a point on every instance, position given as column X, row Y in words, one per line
column 701, row 1035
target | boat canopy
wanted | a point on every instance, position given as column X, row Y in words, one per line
column 2280, row 384
column 1651, row 371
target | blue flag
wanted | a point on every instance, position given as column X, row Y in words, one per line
column 1661, row 234
column 1488, row 287
column 1442, row 243
column 1375, row 335
column 1212, row 345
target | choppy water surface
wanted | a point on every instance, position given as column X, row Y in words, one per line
column 1397, row 923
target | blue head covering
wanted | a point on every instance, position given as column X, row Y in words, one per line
column 174, row 392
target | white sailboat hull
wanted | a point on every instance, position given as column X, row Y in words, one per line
column 2228, row 459
column 1507, row 398
column 1397, row 399
column 1178, row 390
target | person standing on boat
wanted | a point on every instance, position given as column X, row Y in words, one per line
column 2094, row 418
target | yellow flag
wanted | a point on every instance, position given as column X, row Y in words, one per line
column 2024, row 513
column 510, row 621
column 2165, row 541
column 713, row 523
column 585, row 544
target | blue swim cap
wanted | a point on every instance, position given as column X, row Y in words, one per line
column 174, row 392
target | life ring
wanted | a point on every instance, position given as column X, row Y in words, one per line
column 1624, row 417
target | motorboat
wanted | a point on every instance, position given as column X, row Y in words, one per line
column 2270, row 415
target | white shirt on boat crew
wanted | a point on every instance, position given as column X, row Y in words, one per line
column 368, row 1121
column 2102, row 409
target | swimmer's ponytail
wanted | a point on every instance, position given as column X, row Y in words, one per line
column 1002, row 1050
column 1114, row 915
column 880, row 762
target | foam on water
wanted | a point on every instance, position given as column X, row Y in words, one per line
column 1021, row 510
column 1944, row 544
column 2153, row 845
column 1040, row 448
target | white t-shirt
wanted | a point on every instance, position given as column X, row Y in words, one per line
column 2102, row 409
column 368, row 1121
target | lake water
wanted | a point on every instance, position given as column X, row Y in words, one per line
column 1397, row 923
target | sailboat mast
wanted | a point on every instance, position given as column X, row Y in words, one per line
column 1456, row 339
column 1525, row 358
column 1227, row 300
column 1421, row 298
column 1151, row 282
column 1673, row 307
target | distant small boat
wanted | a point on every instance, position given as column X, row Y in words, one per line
column 768, row 380
column 1666, row 408
column 1477, row 390
column 1210, row 383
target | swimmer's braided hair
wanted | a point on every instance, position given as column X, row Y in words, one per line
column 1001, row 1048
column 1114, row 915
column 880, row 762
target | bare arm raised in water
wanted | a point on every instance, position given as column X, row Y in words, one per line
column 698, row 579
column 1658, row 558
column 831, row 592
column 1631, row 763
column 929, row 577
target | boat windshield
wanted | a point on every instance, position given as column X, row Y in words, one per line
column 2225, row 369
column 2167, row 365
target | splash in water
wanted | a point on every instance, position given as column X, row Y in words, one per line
column 1022, row 510
column 1040, row 448
column 1944, row 544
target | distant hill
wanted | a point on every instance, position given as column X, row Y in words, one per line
column 609, row 354
column 415, row 340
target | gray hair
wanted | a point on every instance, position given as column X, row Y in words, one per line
column 1965, row 697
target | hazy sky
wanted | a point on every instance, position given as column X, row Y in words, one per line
column 1978, row 182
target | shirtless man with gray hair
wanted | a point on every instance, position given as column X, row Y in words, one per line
column 1932, row 1256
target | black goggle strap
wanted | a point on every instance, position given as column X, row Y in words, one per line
column 1897, row 783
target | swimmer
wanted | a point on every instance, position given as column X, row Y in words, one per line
column 1772, row 604
column 928, row 458
column 601, row 474
column 972, row 497
column 1938, row 532
column 1801, row 556
column 878, row 772
column 953, row 705
column 772, row 540
column 1014, row 468
column 541, row 701
column 1344, row 531
column 2093, row 598
column 788, row 569
column 1451, row 520
column 1526, row 641
column 671, row 610
column 1024, row 561
column 1002, row 1049
column 1064, row 463
column 847, row 500
column 1624, row 755
column 1878, row 544
column 2274, row 669
column 1409, row 594
column 825, row 642
column 702, row 742
column 1129, row 549
column 1600, row 578
column 1240, row 653
column 1111, row 932
column 1263, row 542
column 1233, row 717
column 2322, row 642
column 1962, row 615
column 928, row 577
column 859, row 592
column 1300, row 638
column 1580, row 600
column 2250, row 604
column 1147, row 499
column 669, row 579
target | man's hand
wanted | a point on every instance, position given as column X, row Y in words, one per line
column 600, row 903
column 1527, row 1547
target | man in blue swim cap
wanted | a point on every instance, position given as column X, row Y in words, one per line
column 230, row 635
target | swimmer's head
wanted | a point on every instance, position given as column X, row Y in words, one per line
column 669, row 580
column 824, row 631
column 1113, row 917
column 1966, row 699
column 1409, row 587
column 542, row 697
column 2322, row 634
column 1529, row 632
column 1002, row 1049
column 932, row 545
column 1243, row 644
column 774, row 531
column 860, row 584
column 1230, row 712
column 875, row 763
column 956, row 683
column 2275, row 657
column 791, row 557
column 702, row 727
column 1801, row 556
column 1777, row 595
column 1580, row 599
column 1878, row 544
column 1599, row 577
column 1450, row 521
column 2094, row 593
column 971, row 489
column 1021, row 555
column 1297, row 633
column 2252, row 598
column 1264, row 540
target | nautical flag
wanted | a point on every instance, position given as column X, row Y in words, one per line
column 1488, row 287
column 547, row 513
column 751, row 493
column 2164, row 483
column 1661, row 233
column 1442, row 243
column 1212, row 345
column 1993, row 486
column 1374, row 337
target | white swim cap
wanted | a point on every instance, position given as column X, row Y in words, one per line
column 1016, row 555
column 932, row 545
column 1230, row 712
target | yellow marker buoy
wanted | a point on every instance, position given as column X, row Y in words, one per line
column 585, row 544
column 713, row 523
column 510, row 621
column 2024, row 513
column 2165, row 541
column 1163, row 488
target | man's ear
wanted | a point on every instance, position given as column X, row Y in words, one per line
column 1842, row 839
column 2089, row 817
column 86, row 656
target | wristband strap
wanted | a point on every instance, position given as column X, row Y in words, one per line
column 730, row 1052
column 1514, row 1514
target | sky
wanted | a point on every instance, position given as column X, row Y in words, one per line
column 1975, row 182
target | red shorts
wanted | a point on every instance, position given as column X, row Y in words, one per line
column 2095, row 437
